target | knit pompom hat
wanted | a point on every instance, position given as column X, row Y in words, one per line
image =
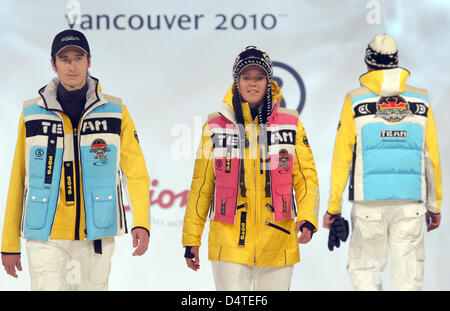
column 382, row 52
column 251, row 55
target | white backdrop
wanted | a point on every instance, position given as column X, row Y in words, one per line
column 172, row 77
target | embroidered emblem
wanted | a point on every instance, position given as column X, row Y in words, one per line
column 392, row 108
column 283, row 159
column 305, row 141
column 99, row 147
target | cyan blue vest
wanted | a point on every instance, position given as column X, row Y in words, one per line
column 48, row 148
column 389, row 153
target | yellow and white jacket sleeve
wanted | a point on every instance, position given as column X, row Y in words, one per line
column 201, row 193
column 305, row 180
column 135, row 175
column 342, row 156
column 432, row 166
column 14, row 203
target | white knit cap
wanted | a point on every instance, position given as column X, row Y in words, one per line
column 382, row 52
column 384, row 44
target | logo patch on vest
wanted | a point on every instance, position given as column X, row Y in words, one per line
column 219, row 164
column 283, row 159
column 228, row 163
column 39, row 154
column 392, row 108
column 394, row 133
column 99, row 147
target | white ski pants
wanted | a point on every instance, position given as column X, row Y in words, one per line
column 375, row 226
column 230, row 276
column 59, row 265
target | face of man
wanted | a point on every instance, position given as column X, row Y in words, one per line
column 252, row 85
column 71, row 65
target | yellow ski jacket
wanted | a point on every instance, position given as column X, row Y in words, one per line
column 259, row 240
column 387, row 143
column 67, row 183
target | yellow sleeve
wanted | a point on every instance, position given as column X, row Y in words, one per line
column 135, row 175
column 14, row 203
column 305, row 180
column 432, row 166
column 201, row 193
column 342, row 156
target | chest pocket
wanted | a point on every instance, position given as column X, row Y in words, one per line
column 104, row 204
column 37, row 208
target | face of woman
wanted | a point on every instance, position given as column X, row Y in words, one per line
column 252, row 84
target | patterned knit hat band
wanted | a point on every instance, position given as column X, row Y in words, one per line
column 382, row 52
column 380, row 61
column 252, row 56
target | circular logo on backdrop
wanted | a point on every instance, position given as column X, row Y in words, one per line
column 292, row 99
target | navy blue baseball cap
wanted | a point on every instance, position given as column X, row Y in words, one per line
column 67, row 38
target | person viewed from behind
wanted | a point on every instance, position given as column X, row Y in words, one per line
column 387, row 142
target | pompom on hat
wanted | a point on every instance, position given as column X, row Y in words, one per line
column 382, row 52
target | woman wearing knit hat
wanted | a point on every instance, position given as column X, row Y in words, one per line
column 388, row 136
column 255, row 178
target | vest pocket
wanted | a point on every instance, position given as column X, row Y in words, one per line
column 225, row 200
column 104, row 207
column 283, row 190
column 282, row 200
column 37, row 207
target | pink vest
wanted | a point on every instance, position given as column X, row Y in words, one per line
column 282, row 128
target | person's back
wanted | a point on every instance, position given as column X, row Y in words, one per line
column 387, row 140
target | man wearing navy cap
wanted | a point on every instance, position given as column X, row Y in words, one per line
column 65, row 195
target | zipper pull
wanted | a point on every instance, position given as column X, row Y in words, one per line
column 222, row 207
column 75, row 132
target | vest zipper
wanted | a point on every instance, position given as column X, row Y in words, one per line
column 78, row 168
column 256, row 198
column 77, row 183
column 24, row 207
column 61, row 169
column 256, row 217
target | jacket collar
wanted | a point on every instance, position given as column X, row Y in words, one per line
column 386, row 82
column 48, row 95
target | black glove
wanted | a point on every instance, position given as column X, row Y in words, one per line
column 338, row 232
column 309, row 226
column 188, row 253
